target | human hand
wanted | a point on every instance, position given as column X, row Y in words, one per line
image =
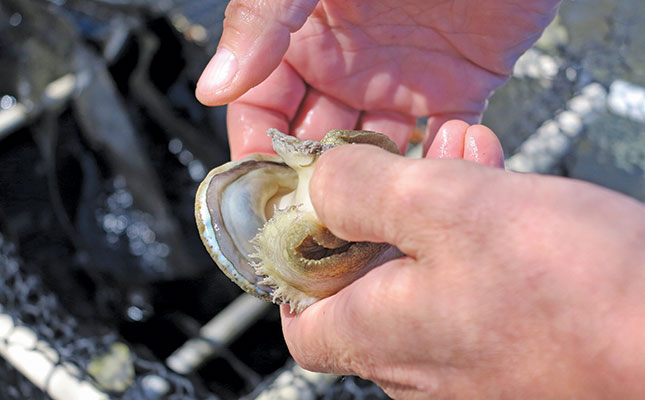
column 355, row 64
column 514, row 285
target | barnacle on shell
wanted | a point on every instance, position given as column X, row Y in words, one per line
column 257, row 222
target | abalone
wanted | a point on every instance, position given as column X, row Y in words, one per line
column 257, row 222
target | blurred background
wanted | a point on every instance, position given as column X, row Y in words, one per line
column 105, row 288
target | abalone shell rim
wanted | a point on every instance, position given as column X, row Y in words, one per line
column 207, row 232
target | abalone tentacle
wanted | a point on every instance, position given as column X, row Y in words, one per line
column 320, row 264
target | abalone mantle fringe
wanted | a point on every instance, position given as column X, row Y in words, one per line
column 257, row 222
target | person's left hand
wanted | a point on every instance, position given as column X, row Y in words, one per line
column 316, row 65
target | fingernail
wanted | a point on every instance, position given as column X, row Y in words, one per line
column 219, row 72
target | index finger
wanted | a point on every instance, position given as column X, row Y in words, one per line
column 271, row 104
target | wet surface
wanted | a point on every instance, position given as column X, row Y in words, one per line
column 96, row 199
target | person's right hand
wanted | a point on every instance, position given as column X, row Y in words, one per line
column 307, row 66
column 513, row 285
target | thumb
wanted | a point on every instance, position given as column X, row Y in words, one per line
column 254, row 39
column 364, row 193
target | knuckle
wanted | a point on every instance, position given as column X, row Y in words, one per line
column 433, row 198
column 304, row 352
column 240, row 14
column 293, row 14
column 409, row 187
column 290, row 14
column 241, row 8
column 408, row 190
column 306, row 361
column 318, row 358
